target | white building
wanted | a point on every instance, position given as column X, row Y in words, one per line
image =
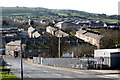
column 110, row 57
column 33, row 33
column 51, row 30
column 59, row 24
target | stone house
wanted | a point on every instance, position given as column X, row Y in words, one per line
column 33, row 32
column 60, row 33
column 36, row 52
column 14, row 47
column 88, row 37
column 51, row 30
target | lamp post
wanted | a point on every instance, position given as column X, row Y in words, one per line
column 21, row 61
column 21, row 57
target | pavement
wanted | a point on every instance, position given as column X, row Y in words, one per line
column 43, row 72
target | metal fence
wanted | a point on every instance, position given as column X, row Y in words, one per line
column 81, row 63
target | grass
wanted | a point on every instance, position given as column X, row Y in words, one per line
column 62, row 14
column 110, row 20
column 6, row 76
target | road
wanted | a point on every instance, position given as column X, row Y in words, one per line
column 35, row 71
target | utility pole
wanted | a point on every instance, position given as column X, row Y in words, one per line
column 59, row 27
column 59, row 44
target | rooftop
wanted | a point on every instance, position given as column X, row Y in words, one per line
column 109, row 50
column 81, row 31
column 17, row 42
column 92, row 35
column 51, row 28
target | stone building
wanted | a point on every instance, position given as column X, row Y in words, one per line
column 33, row 32
column 89, row 37
column 14, row 47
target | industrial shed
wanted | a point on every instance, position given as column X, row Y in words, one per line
column 108, row 57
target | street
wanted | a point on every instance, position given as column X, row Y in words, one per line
column 35, row 71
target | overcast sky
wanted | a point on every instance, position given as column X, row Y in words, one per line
column 109, row 7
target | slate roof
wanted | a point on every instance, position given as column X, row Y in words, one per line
column 51, row 28
column 15, row 43
column 112, row 24
column 81, row 31
column 60, row 33
column 92, row 35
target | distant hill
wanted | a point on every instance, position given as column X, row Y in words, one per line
column 56, row 14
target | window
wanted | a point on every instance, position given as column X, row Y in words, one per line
column 39, row 50
column 10, row 52
column 10, row 47
column 30, row 50
column 6, row 47
column 16, row 47
column 7, row 52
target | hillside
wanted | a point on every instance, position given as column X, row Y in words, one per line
column 56, row 14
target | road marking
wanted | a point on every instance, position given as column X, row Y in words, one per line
column 45, row 71
column 8, row 63
column 109, row 76
column 65, row 70
column 33, row 68
column 67, row 76
column 27, row 75
column 58, row 74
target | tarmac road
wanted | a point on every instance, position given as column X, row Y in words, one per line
column 38, row 72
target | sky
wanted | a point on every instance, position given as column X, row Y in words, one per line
column 109, row 7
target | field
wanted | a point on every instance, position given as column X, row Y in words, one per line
column 56, row 14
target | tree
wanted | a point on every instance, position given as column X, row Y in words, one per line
column 53, row 45
column 32, row 23
column 50, row 24
column 5, row 23
column 110, row 37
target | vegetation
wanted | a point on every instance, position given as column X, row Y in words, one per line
column 43, row 13
column 110, row 38
column 35, row 46
column 9, row 76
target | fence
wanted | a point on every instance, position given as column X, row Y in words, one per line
column 81, row 63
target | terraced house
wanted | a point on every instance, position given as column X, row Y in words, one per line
column 55, row 32
column 89, row 37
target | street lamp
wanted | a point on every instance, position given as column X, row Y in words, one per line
column 21, row 57
column 21, row 61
